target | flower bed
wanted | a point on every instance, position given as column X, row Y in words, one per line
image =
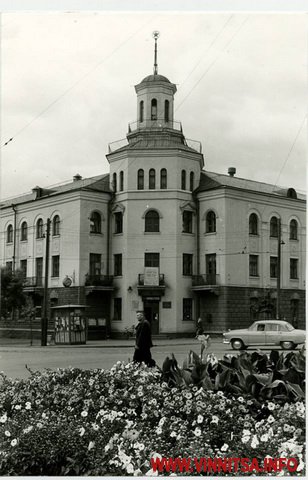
column 76, row 422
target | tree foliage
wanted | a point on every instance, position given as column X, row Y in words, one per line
column 12, row 295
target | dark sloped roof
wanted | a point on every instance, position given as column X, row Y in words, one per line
column 211, row 180
column 155, row 142
column 98, row 183
column 155, row 78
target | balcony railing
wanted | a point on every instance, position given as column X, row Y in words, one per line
column 99, row 280
column 204, row 280
column 141, row 281
column 33, row 282
column 160, row 123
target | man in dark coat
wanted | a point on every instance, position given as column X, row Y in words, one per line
column 143, row 341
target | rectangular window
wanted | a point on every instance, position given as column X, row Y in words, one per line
column 95, row 264
column 23, row 268
column 210, row 268
column 187, row 221
column 117, row 264
column 117, row 305
column 151, row 259
column 253, row 266
column 55, row 266
column 294, row 268
column 118, row 222
column 273, row 267
column 187, row 264
column 187, row 309
column 39, row 271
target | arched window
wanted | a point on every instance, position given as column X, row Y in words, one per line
column 183, row 180
column 24, row 231
column 141, row 111
column 140, row 179
column 163, row 178
column 95, row 223
column 114, row 182
column 253, row 224
column 274, row 227
column 154, row 109
column 121, row 181
column 152, row 178
column 39, row 228
column 191, row 181
column 9, row 234
column 151, row 221
column 56, row 225
column 293, row 230
column 166, row 110
column 210, row 222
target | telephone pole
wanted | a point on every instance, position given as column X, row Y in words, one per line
column 278, row 271
column 45, row 300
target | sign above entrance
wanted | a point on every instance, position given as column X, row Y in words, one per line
column 151, row 276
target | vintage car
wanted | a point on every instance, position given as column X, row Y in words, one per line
column 266, row 333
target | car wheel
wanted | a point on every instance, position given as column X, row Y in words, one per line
column 237, row 344
column 287, row 345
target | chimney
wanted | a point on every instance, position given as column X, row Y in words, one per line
column 77, row 177
column 231, row 171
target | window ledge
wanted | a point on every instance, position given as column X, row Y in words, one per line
column 56, row 235
column 256, row 277
column 188, row 233
column 98, row 234
column 254, row 235
column 210, row 233
column 151, row 233
column 119, row 234
column 294, row 279
column 24, row 241
column 294, row 239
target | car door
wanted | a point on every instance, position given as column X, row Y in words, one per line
column 257, row 334
column 272, row 334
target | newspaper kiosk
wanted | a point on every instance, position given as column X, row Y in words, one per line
column 70, row 324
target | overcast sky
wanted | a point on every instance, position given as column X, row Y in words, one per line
column 67, row 91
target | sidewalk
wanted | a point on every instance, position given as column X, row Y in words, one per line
column 7, row 343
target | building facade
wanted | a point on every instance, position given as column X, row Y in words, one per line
column 161, row 234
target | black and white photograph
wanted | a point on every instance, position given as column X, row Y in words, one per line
column 153, row 243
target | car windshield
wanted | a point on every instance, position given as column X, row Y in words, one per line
column 289, row 327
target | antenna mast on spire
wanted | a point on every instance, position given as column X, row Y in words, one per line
column 155, row 36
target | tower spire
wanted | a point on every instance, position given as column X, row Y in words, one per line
column 155, row 36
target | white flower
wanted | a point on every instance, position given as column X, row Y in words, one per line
column 14, row 442
column 3, row 419
column 255, row 442
column 271, row 406
column 246, row 432
column 17, row 407
column 225, row 447
column 7, row 433
column 39, row 425
column 172, row 434
column 84, row 413
column 200, row 419
column 197, row 432
column 270, row 419
column 28, row 406
column 130, row 468
column 28, row 429
column 264, row 437
column 82, row 431
column 286, row 428
column 245, row 439
column 240, row 399
column 91, row 445
column 95, row 426
column 215, row 419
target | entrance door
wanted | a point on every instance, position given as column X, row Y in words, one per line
column 151, row 313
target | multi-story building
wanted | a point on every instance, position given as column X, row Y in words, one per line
column 161, row 233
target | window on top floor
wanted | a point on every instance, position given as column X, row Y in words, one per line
column 163, row 178
column 39, row 228
column 95, row 223
column 56, row 225
column 140, row 179
column 191, row 181
column 151, row 223
column 183, row 180
column 154, row 109
column 210, row 222
column 293, row 230
column 152, row 179
column 24, row 231
column 114, row 182
column 121, row 187
column 141, row 111
column 253, row 224
column 9, row 234
column 274, row 227
column 166, row 110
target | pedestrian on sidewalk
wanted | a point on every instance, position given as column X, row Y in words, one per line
column 202, row 337
column 143, row 341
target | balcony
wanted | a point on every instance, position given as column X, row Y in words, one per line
column 151, row 287
column 98, row 282
column 208, row 282
column 30, row 283
column 158, row 124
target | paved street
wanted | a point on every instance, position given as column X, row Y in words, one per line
column 100, row 354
